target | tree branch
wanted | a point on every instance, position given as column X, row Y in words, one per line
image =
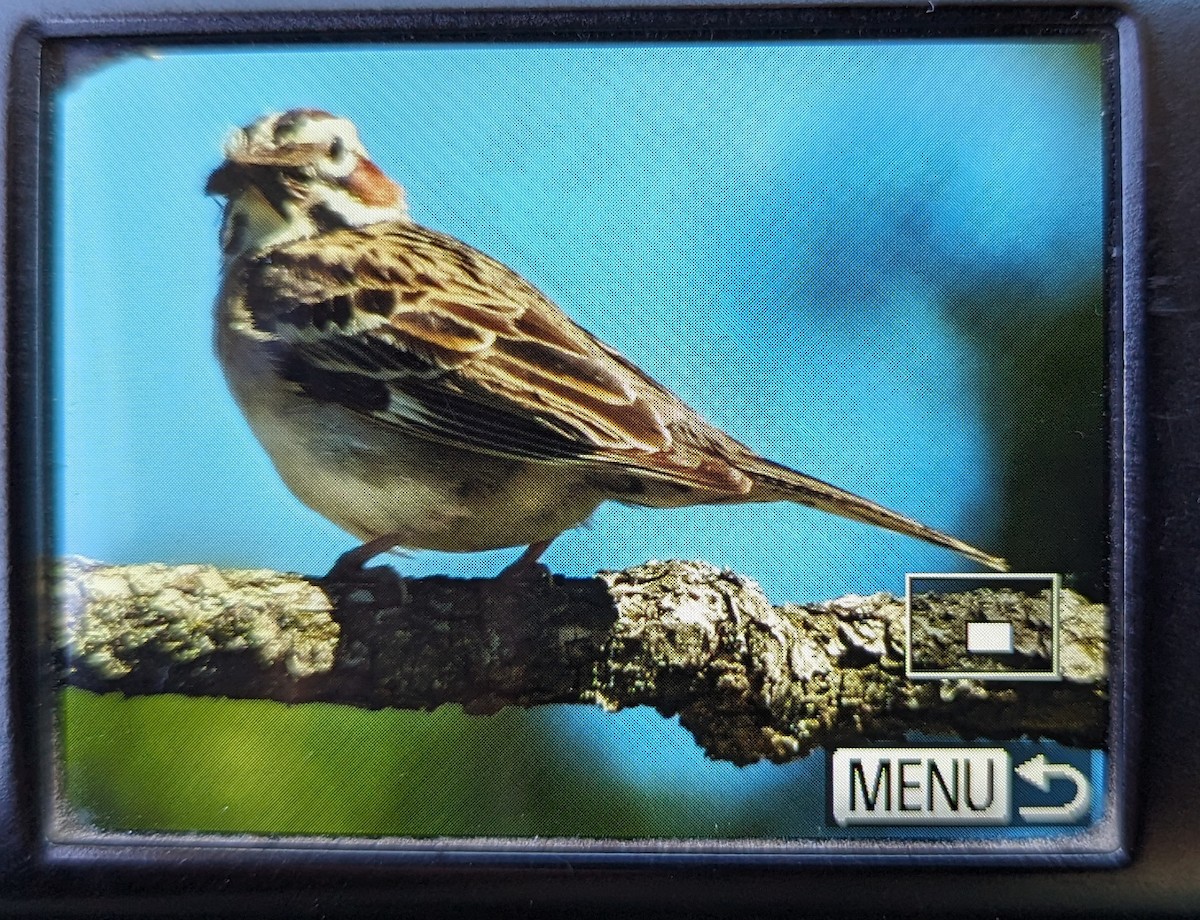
column 749, row 680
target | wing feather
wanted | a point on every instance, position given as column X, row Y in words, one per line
column 449, row 344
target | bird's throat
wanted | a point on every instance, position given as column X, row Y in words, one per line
column 253, row 223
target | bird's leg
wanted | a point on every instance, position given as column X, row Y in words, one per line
column 357, row 591
column 349, row 565
column 526, row 565
column 515, row 586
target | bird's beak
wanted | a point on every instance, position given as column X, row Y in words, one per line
column 227, row 180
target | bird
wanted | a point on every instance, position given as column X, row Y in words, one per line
column 420, row 394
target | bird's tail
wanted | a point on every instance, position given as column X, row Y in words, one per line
column 775, row 482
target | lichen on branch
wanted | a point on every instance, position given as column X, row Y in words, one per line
column 748, row 679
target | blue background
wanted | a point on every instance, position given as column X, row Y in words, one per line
column 775, row 231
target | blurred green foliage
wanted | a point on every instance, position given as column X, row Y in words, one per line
column 1043, row 397
column 171, row 763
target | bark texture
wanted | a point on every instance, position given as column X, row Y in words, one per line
column 748, row 679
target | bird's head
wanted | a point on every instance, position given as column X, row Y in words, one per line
column 293, row 175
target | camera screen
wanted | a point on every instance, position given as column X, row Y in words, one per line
column 544, row 445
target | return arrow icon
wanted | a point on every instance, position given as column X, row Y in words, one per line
column 1039, row 772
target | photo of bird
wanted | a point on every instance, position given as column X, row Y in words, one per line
column 420, row 394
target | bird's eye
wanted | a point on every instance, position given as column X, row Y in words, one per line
column 337, row 148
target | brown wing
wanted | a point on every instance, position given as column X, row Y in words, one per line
column 422, row 332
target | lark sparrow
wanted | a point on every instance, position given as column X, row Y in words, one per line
column 420, row 394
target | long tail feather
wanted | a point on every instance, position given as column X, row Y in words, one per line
column 774, row 482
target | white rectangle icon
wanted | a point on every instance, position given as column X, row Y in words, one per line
column 987, row 638
column 917, row 669
column 921, row 786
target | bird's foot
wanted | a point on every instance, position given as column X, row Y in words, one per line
column 525, row 571
column 350, row 570
column 350, row 564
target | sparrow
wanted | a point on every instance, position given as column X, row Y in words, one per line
column 421, row 395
